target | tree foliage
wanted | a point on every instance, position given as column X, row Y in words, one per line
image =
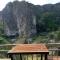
column 47, row 22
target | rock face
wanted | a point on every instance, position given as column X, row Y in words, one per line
column 19, row 18
column 0, row 16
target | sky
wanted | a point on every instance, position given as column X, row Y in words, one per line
column 36, row 2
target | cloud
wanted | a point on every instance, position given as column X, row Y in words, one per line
column 38, row 2
column 3, row 3
column 53, row 1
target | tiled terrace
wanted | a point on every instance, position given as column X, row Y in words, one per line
column 54, row 58
column 49, row 58
column 29, row 48
column 5, row 59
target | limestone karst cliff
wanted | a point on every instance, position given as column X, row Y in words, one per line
column 19, row 18
column 23, row 18
column 0, row 16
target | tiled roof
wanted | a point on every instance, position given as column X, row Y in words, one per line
column 29, row 48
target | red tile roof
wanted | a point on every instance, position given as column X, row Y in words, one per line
column 29, row 48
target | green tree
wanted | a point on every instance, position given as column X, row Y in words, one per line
column 58, row 36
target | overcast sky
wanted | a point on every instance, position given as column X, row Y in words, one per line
column 36, row 2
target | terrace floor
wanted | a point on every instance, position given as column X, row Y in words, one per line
column 49, row 58
column 54, row 58
column 5, row 59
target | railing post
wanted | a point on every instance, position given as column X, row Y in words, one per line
column 10, row 55
column 20, row 56
column 46, row 57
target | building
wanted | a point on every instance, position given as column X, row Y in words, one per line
column 29, row 52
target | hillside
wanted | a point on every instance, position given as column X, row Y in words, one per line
column 0, row 15
column 25, row 19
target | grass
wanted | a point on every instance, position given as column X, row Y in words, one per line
column 40, row 39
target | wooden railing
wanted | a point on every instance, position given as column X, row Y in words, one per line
column 4, row 48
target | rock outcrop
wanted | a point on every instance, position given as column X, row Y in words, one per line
column 19, row 18
column 0, row 16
